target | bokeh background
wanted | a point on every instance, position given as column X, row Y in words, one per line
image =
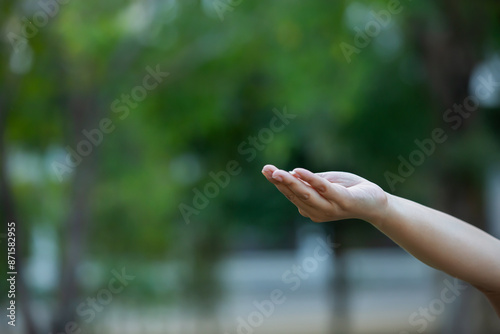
column 133, row 134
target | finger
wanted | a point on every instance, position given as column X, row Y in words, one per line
column 324, row 187
column 285, row 190
column 343, row 178
column 303, row 192
column 268, row 171
column 303, row 213
column 315, row 181
column 295, row 175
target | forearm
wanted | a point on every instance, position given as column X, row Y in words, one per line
column 437, row 239
column 443, row 242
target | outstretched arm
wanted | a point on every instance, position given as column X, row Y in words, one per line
column 437, row 239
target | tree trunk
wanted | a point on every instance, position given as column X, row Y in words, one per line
column 83, row 115
column 9, row 214
column 450, row 56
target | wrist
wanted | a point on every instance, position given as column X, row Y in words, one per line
column 381, row 212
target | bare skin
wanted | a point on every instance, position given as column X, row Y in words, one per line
column 435, row 238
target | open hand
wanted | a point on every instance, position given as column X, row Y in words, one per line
column 329, row 196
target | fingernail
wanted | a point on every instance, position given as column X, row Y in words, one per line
column 292, row 172
column 278, row 178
